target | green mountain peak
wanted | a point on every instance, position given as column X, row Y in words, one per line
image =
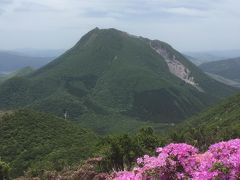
column 111, row 72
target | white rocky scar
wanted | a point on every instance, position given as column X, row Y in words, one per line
column 177, row 68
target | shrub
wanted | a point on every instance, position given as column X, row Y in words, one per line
column 183, row 161
column 120, row 152
column 4, row 170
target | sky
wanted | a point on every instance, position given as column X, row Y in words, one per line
column 188, row 25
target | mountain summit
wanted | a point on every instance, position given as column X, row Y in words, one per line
column 112, row 72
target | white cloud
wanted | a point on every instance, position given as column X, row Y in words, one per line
column 184, row 11
column 186, row 24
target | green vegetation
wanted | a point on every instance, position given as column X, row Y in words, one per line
column 4, row 171
column 228, row 69
column 120, row 152
column 220, row 122
column 112, row 83
column 117, row 124
column 110, row 73
column 19, row 73
column 224, row 80
column 32, row 141
column 2, row 78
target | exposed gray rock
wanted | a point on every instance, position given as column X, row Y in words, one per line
column 176, row 67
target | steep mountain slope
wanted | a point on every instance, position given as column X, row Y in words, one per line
column 229, row 68
column 32, row 140
column 111, row 72
column 224, row 80
column 10, row 61
column 194, row 60
column 220, row 122
column 22, row 72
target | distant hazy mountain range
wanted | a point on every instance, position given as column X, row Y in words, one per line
column 40, row 52
column 12, row 61
column 209, row 56
column 226, row 71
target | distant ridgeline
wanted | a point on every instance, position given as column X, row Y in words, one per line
column 110, row 75
column 12, row 61
column 226, row 71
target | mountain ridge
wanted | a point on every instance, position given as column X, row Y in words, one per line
column 111, row 72
column 227, row 68
column 12, row 61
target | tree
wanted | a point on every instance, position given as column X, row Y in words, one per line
column 121, row 152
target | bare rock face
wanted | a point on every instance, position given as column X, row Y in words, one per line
column 176, row 67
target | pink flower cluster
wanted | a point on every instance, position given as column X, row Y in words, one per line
column 183, row 161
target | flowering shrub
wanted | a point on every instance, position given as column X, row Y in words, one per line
column 183, row 161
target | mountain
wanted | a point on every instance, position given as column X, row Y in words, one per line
column 110, row 73
column 224, row 80
column 31, row 141
column 228, row 69
column 194, row 60
column 12, row 61
column 202, row 57
column 220, row 122
column 19, row 73
column 232, row 53
column 209, row 56
column 40, row 52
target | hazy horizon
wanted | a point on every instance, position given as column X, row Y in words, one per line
column 186, row 25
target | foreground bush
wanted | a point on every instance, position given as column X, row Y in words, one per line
column 120, row 152
column 183, row 161
column 4, row 170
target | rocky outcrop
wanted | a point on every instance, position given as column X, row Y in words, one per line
column 176, row 67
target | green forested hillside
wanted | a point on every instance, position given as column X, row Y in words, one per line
column 2, row 78
column 109, row 72
column 220, row 122
column 33, row 141
column 19, row 73
column 228, row 68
